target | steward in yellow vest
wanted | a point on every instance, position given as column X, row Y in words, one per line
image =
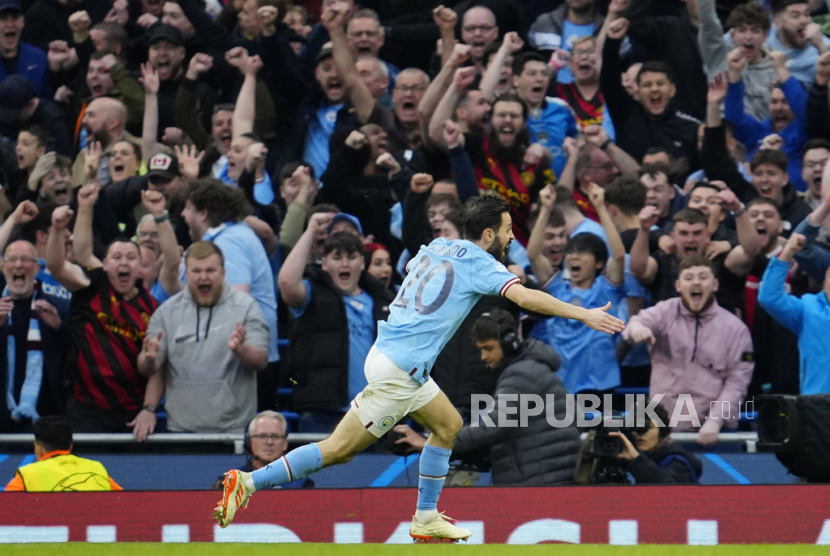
column 57, row 470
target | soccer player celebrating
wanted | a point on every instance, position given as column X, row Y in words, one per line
column 445, row 281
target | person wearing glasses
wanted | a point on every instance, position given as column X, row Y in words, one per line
column 402, row 124
column 34, row 342
column 582, row 94
column 479, row 29
column 366, row 36
column 266, row 442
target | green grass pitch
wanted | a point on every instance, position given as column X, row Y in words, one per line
column 209, row 549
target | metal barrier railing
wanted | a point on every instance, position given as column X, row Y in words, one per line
column 236, row 439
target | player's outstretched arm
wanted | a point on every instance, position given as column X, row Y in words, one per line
column 540, row 302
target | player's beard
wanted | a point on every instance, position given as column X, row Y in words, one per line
column 499, row 249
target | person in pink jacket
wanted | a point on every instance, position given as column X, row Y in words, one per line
column 697, row 348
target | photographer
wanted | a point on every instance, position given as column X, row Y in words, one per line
column 657, row 459
column 535, row 455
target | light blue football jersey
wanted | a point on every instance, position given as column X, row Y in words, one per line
column 446, row 278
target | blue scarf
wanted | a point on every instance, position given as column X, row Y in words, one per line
column 26, row 407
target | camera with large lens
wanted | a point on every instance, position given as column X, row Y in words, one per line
column 598, row 462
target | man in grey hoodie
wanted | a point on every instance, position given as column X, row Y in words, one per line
column 750, row 24
column 209, row 341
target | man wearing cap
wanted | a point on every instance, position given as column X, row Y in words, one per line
column 320, row 111
column 336, row 305
column 25, row 59
column 20, row 107
column 342, row 222
column 166, row 55
column 163, row 176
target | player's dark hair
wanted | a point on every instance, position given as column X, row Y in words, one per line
column 587, row 242
column 456, row 218
column 483, row 212
column 690, row 216
column 521, row 60
column 342, row 242
column 53, row 432
column 656, row 66
column 769, row 156
column 627, row 193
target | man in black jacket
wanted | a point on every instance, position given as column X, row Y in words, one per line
column 656, row 458
column 651, row 120
column 336, row 307
column 535, row 455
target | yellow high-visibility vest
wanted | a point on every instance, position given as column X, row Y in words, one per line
column 65, row 473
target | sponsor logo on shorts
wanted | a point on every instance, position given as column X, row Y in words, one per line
column 386, row 423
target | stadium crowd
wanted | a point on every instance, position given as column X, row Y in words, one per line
column 186, row 182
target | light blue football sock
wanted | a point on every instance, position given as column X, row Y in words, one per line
column 296, row 464
column 433, row 467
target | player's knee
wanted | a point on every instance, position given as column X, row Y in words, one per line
column 456, row 424
column 450, row 430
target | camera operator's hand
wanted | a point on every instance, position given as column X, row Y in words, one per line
column 629, row 451
column 413, row 441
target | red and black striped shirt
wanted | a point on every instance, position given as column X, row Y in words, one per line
column 519, row 187
column 588, row 112
column 109, row 335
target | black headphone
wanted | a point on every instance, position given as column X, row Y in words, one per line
column 509, row 340
column 246, row 442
